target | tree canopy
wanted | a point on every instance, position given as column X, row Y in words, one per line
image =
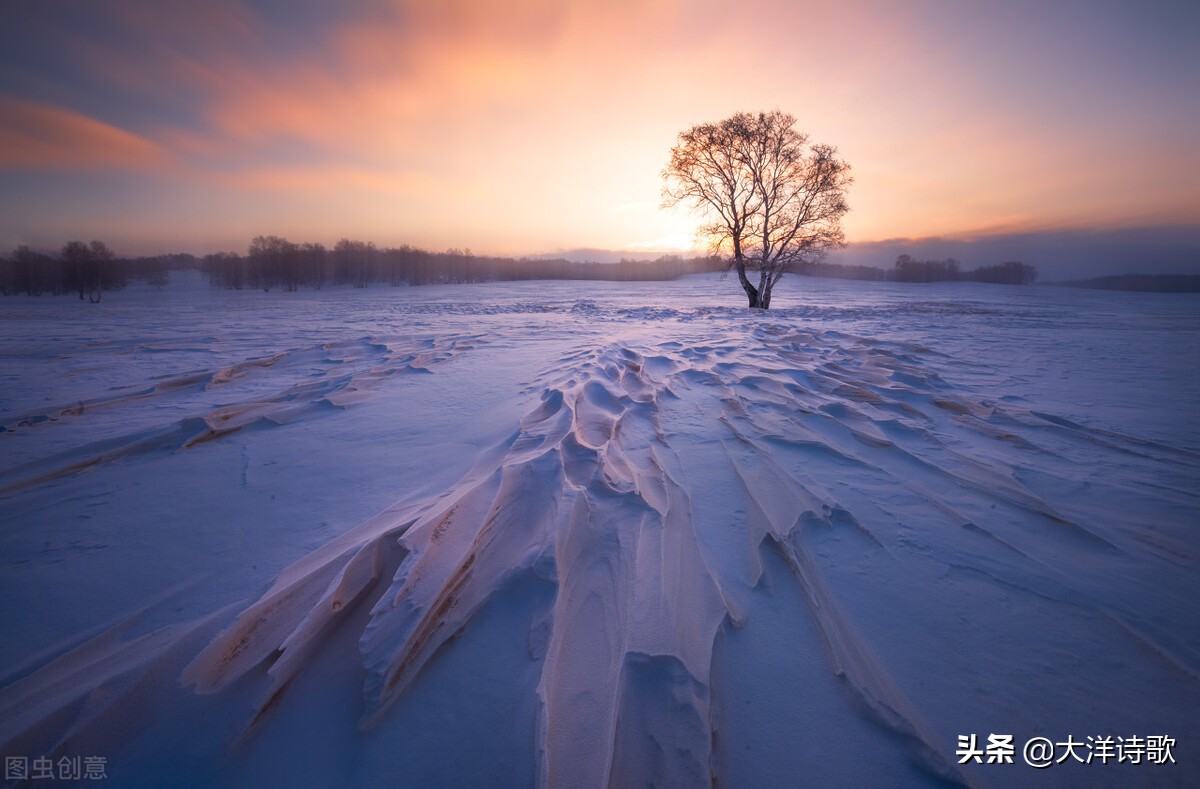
column 768, row 197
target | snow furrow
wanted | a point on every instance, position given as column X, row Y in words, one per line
column 674, row 500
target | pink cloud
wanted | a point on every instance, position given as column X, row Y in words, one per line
column 41, row 137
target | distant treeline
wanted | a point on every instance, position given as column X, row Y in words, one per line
column 88, row 270
column 275, row 262
column 909, row 269
column 1146, row 283
column 91, row 269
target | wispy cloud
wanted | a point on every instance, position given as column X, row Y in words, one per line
column 40, row 137
column 542, row 124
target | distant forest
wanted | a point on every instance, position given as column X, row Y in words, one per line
column 274, row 262
column 909, row 269
column 87, row 269
column 271, row 262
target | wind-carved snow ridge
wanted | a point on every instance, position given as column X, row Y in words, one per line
column 593, row 494
column 585, row 493
column 625, row 692
column 270, row 390
column 655, row 483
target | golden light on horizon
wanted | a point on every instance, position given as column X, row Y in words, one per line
column 536, row 126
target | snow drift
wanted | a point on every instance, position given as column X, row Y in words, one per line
column 734, row 549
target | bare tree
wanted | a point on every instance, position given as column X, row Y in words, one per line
column 770, row 198
column 226, row 270
column 354, row 262
column 272, row 261
column 76, row 257
column 90, row 268
column 34, row 273
column 104, row 275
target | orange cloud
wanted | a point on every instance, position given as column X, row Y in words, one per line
column 517, row 125
column 40, row 137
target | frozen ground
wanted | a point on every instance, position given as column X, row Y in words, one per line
column 585, row 534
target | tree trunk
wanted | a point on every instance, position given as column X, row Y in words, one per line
column 751, row 291
column 764, row 287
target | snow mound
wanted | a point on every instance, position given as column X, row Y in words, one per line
column 590, row 493
column 772, row 551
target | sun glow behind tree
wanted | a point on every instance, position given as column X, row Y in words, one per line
column 775, row 202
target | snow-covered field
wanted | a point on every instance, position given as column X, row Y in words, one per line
column 587, row 534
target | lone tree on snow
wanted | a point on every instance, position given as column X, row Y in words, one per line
column 772, row 199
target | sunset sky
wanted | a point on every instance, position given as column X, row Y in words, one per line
column 530, row 126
